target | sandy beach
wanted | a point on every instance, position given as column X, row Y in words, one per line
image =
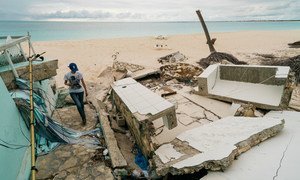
column 93, row 56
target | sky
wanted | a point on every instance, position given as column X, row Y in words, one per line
column 150, row 10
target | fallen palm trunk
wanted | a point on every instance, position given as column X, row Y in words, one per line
column 218, row 57
column 214, row 57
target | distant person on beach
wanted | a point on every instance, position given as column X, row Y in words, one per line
column 74, row 80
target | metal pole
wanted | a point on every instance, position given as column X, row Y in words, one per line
column 210, row 45
column 32, row 138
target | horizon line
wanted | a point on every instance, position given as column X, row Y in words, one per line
column 150, row 21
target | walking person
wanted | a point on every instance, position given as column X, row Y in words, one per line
column 74, row 80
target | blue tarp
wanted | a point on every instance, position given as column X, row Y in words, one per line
column 49, row 133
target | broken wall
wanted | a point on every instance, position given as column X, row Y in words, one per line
column 140, row 107
column 267, row 87
column 140, row 130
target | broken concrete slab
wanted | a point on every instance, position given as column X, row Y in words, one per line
column 145, row 72
column 117, row 159
column 124, row 66
column 42, row 70
column 276, row 158
column 167, row 91
column 191, row 111
column 219, row 108
column 295, row 99
column 140, row 106
column 215, row 145
column 99, row 90
column 189, row 115
column 266, row 87
column 172, row 58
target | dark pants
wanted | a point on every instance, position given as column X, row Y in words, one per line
column 78, row 99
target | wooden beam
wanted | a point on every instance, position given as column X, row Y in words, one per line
column 11, row 63
column 13, row 43
column 13, row 37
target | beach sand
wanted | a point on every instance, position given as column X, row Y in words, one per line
column 93, row 56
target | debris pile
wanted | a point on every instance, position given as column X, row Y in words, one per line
column 172, row 58
column 246, row 110
column 218, row 57
column 181, row 71
column 161, row 37
column 123, row 66
column 294, row 44
column 14, row 58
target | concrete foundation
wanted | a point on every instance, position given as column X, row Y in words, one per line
column 214, row 146
column 267, row 87
column 140, row 107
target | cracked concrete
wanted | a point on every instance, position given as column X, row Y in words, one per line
column 283, row 155
column 191, row 111
column 277, row 155
column 217, row 144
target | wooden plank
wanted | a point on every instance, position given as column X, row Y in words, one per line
column 11, row 64
column 13, row 43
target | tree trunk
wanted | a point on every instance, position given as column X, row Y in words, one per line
column 210, row 45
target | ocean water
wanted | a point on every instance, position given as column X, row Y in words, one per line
column 47, row 31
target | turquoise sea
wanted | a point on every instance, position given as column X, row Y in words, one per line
column 45, row 31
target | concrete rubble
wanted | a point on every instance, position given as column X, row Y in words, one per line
column 181, row 71
column 182, row 133
column 189, row 146
column 123, row 66
column 172, row 58
column 157, row 114
column 214, row 146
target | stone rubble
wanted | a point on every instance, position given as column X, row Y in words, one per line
column 180, row 71
column 172, row 58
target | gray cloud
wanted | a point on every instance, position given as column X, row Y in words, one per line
column 91, row 15
column 155, row 10
column 74, row 15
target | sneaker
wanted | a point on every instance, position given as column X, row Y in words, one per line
column 83, row 122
